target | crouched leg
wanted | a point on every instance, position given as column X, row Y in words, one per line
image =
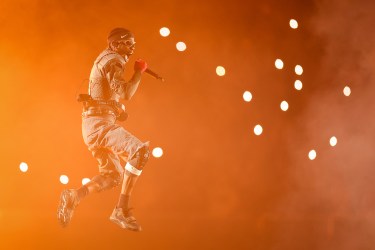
column 104, row 182
column 136, row 164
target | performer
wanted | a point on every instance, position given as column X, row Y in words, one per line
column 109, row 142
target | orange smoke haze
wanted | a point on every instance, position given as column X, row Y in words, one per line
column 217, row 185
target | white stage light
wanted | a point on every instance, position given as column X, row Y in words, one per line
column 347, row 91
column 164, row 32
column 157, row 152
column 247, row 96
column 24, row 167
column 258, row 130
column 279, row 64
column 284, row 106
column 333, row 141
column 298, row 69
column 64, row 179
column 293, row 23
column 298, row 85
column 85, row 181
column 312, row 154
column 181, row 46
column 220, row 70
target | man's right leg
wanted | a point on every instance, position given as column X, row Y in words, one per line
column 70, row 198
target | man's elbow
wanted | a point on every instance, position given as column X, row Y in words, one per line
column 127, row 97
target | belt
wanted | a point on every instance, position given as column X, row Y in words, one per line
column 98, row 112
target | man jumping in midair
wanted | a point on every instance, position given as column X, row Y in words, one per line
column 109, row 142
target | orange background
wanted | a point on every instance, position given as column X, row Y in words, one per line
column 218, row 186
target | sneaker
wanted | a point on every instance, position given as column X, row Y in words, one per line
column 125, row 219
column 68, row 202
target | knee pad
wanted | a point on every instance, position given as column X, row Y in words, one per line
column 140, row 158
column 138, row 161
column 107, row 181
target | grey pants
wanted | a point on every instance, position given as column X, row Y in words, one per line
column 109, row 143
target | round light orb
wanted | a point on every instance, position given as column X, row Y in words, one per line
column 347, row 91
column 220, row 70
column 312, row 154
column 293, row 23
column 181, row 46
column 85, row 181
column 24, row 167
column 258, row 130
column 333, row 141
column 284, row 105
column 279, row 64
column 157, row 152
column 298, row 69
column 247, row 96
column 298, row 85
column 64, row 179
column 164, row 32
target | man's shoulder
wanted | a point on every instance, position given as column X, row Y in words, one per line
column 110, row 56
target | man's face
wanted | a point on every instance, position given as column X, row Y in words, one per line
column 126, row 47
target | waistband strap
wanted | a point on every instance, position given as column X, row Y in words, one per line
column 98, row 112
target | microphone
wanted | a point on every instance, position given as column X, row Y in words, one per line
column 149, row 71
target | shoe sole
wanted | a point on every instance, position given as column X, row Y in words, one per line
column 62, row 211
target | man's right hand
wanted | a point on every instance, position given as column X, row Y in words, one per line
column 140, row 65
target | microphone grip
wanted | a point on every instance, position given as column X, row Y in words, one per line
column 149, row 71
